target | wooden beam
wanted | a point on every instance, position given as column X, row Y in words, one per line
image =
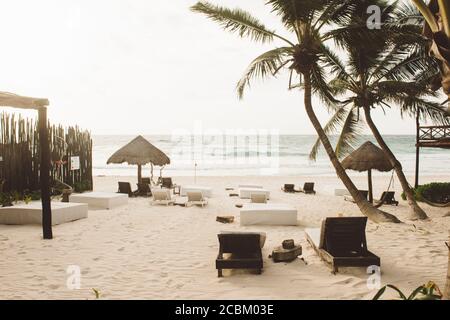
column 45, row 174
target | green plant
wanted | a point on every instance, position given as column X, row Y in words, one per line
column 96, row 293
column 27, row 199
column 6, row 200
column 17, row 196
column 429, row 291
column 82, row 186
column 435, row 191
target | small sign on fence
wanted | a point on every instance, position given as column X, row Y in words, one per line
column 75, row 163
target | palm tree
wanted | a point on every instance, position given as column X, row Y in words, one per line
column 437, row 28
column 306, row 57
column 378, row 78
column 447, row 285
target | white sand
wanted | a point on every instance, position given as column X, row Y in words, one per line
column 157, row 252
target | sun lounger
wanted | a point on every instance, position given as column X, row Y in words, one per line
column 167, row 183
column 341, row 242
column 308, row 188
column 364, row 193
column 143, row 190
column 146, row 180
column 31, row 213
column 289, row 188
column 162, row 196
column 206, row 191
column 125, row 187
column 388, row 197
column 258, row 198
column 252, row 186
column 341, row 192
column 246, row 193
column 268, row 214
column 240, row 250
column 100, row 200
column 196, row 198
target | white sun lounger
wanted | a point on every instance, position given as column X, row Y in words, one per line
column 196, row 198
column 246, row 193
column 258, row 198
column 100, row 200
column 206, row 191
column 31, row 213
column 252, row 186
column 162, row 196
column 268, row 214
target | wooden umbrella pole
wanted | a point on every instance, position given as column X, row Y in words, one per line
column 151, row 173
column 139, row 173
column 369, row 178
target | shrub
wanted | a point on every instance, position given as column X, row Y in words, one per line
column 438, row 192
column 6, row 199
column 82, row 186
column 429, row 291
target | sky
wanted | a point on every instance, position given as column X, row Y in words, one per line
column 148, row 67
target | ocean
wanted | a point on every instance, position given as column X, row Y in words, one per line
column 254, row 154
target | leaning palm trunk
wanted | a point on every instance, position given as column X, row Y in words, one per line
column 366, row 208
column 447, row 285
column 416, row 211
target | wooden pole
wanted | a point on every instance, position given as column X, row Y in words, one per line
column 416, row 183
column 369, row 178
column 139, row 173
column 151, row 173
column 45, row 174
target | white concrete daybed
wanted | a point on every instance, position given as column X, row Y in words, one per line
column 246, row 193
column 100, row 200
column 31, row 213
column 252, row 186
column 206, row 191
column 274, row 214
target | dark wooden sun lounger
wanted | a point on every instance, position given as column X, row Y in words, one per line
column 308, row 188
column 144, row 190
column 125, row 187
column 167, row 183
column 341, row 242
column 239, row 251
column 289, row 188
column 388, row 197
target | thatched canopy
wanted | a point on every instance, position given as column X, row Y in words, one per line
column 367, row 157
column 140, row 152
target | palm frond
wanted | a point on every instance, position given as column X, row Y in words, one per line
column 350, row 133
column 331, row 127
column 237, row 21
column 268, row 63
column 295, row 13
column 321, row 88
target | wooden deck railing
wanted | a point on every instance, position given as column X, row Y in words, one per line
column 434, row 133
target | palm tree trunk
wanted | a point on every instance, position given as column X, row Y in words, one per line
column 416, row 211
column 366, row 208
column 447, row 285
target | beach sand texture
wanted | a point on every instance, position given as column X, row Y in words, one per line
column 141, row 251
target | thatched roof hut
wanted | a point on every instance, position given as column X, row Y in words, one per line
column 140, row 152
column 367, row 158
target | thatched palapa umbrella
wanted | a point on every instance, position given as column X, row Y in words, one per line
column 140, row 152
column 366, row 158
